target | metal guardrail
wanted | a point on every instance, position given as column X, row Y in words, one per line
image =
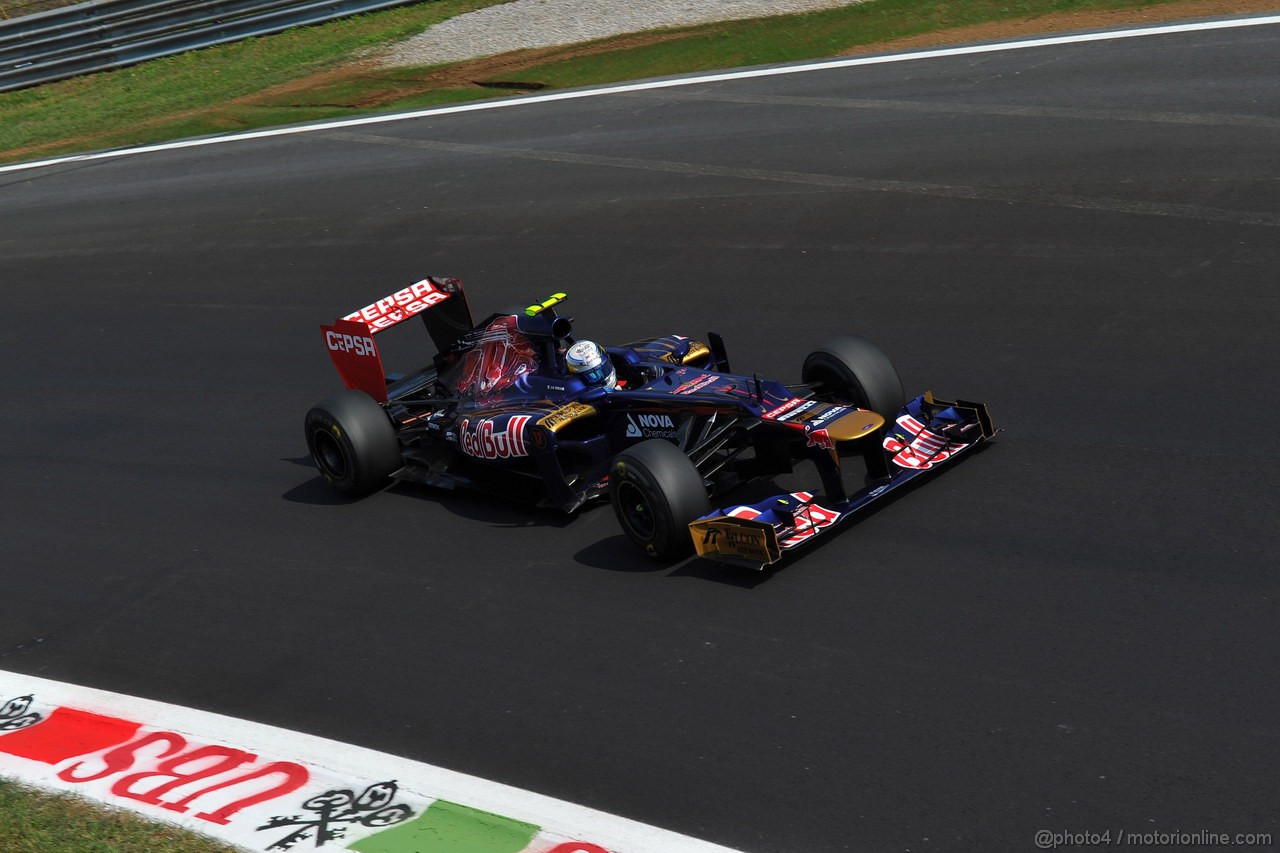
column 76, row 14
column 101, row 35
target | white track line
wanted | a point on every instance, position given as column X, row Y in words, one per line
column 660, row 84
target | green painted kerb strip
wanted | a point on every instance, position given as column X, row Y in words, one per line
column 450, row 828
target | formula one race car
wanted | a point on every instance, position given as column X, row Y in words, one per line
column 515, row 406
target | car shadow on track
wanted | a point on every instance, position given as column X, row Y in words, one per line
column 314, row 491
column 493, row 510
column 615, row 553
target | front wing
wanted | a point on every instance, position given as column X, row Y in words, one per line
column 926, row 434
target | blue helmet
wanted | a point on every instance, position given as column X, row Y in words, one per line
column 589, row 362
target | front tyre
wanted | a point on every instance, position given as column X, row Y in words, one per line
column 352, row 442
column 852, row 370
column 656, row 491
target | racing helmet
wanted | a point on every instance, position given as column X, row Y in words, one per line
column 589, row 362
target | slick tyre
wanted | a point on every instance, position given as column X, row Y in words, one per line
column 656, row 491
column 853, row 370
column 353, row 443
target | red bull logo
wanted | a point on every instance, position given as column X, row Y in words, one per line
column 482, row 439
column 819, row 438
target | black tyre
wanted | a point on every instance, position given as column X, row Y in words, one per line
column 656, row 491
column 352, row 442
column 853, row 370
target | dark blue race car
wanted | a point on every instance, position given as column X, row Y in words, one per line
column 516, row 406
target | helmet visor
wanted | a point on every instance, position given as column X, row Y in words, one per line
column 595, row 375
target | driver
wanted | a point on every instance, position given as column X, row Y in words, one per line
column 589, row 362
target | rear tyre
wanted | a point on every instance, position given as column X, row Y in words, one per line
column 656, row 491
column 352, row 442
column 853, row 370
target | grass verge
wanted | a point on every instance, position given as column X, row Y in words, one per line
column 317, row 72
column 845, row 30
column 38, row 822
column 195, row 93
column 18, row 8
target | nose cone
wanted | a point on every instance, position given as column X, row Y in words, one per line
column 854, row 425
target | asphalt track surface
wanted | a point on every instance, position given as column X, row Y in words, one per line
column 1074, row 630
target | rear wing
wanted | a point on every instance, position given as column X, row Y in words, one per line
column 448, row 319
column 442, row 304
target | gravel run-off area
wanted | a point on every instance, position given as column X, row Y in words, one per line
column 549, row 23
